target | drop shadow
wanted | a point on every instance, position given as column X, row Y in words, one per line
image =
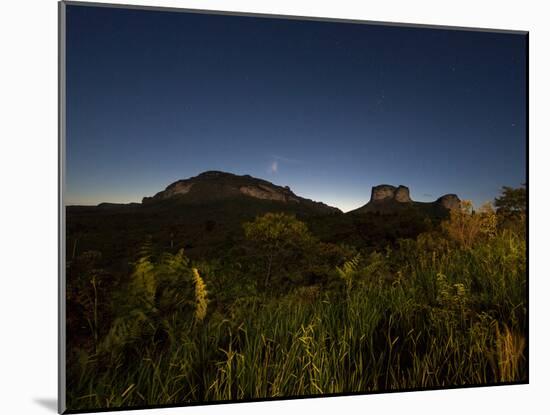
column 48, row 403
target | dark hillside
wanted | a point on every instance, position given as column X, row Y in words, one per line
column 204, row 215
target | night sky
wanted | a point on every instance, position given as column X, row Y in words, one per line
column 329, row 109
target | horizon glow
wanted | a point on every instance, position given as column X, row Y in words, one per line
column 329, row 109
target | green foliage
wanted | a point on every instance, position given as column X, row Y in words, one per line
column 512, row 209
column 512, row 201
column 162, row 297
column 88, row 305
column 278, row 239
column 467, row 227
column 379, row 230
column 447, row 307
column 201, row 303
column 348, row 271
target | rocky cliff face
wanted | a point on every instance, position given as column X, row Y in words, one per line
column 449, row 201
column 388, row 198
column 402, row 195
column 261, row 191
column 178, row 188
column 386, row 192
column 214, row 186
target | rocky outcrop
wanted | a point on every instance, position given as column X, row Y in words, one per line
column 382, row 192
column 181, row 187
column 402, row 195
column 449, row 201
column 178, row 188
column 268, row 193
column 386, row 198
column 386, row 192
column 215, row 186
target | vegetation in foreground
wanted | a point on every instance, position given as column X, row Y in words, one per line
column 284, row 314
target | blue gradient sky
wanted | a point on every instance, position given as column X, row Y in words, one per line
column 329, row 109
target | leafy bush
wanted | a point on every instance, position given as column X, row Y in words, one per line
column 446, row 308
column 466, row 226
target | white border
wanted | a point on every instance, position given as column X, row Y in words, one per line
column 28, row 163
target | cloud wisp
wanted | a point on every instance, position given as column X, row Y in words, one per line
column 274, row 167
column 276, row 162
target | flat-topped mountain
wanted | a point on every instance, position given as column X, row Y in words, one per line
column 217, row 186
column 225, row 191
column 386, row 198
column 205, row 215
column 385, row 192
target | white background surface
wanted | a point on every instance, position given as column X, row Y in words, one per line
column 28, row 203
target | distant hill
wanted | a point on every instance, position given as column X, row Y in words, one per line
column 204, row 215
column 217, row 186
column 386, row 198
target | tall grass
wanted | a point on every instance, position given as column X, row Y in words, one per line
column 444, row 315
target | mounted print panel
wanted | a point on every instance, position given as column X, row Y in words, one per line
column 260, row 207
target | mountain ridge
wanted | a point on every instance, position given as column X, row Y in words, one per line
column 386, row 198
column 215, row 186
column 205, row 214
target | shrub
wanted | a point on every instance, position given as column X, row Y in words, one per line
column 466, row 227
column 279, row 240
